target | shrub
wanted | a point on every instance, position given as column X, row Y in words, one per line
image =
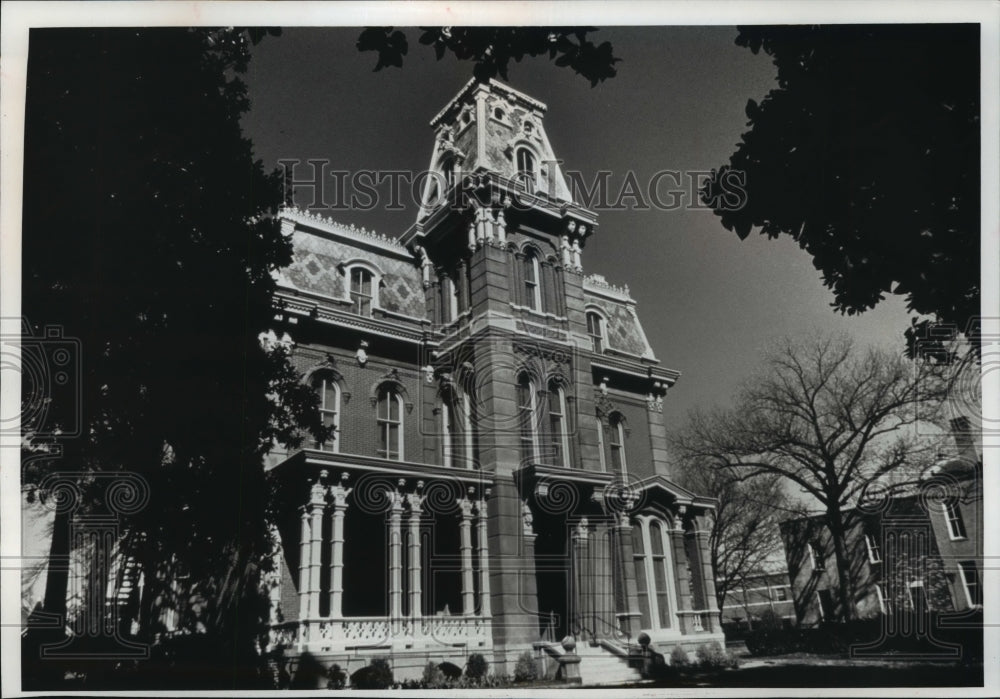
column 768, row 620
column 477, row 667
column 679, row 657
column 451, row 671
column 432, row 675
column 336, row 678
column 712, row 655
column 377, row 675
column 526, row 668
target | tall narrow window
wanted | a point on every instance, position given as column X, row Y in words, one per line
column 447, row 433
column 618, row 462
column 596, row 331
column 815, row 560
column 881, row 598
column 641, row 583
column 361, row 291
column 329, row 407
column 390, row 424
column 659, row 561
column 468, row 435
column 874, row 554
column 970, row 580
column 526, row 169
column 600, row 443
column 956, row 525
column 558, row 442
column 532, row 281
column 526, row 416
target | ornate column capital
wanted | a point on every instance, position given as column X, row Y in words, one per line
column 339, row 492
column 415, row 499
column 527, row 517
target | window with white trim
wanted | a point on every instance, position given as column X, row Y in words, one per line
column 558, row 432
column 532, row 281
column 653, row 573
column 953, row 515
column 617, row 444
column 970, row 581
column 918, row 597
column 600, row 443
column 595, row 328
column 390, row 424
column 329, row 411
column 526, row 416
column 874, row 553
column 881, row 598
column 815, row 559
column 361, row 290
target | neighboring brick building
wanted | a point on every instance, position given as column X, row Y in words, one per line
column 917, row 545
column 769, row 591
column 499, row 474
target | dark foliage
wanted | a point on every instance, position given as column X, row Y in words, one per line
column 375, row 675
column 867, row 155
column 477, row 666
column 491, row 49
column 965, row 632
column 149, row 236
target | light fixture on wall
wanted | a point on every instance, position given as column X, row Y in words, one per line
column 361, row 355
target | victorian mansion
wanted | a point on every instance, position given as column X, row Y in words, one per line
column 497, row 478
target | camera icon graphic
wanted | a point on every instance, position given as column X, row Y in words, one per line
column 49, row 366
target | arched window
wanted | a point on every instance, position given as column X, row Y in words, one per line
column 653, row 573
column 526, row 416
column 532, row 280
column 526, row 169
column 390, row 423
column 329, row 411
column 595, row 328
column 362, row 287
column 618, row 461
column 558, row 441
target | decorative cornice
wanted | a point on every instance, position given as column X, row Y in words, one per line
column 493, row 87
column 346, row 231
column 597, row 284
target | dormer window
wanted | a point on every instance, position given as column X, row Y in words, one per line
column 526, row 169
column 361, row 295
column 595, row 328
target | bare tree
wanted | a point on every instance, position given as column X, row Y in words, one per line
column 827, row 418
column 745, row 530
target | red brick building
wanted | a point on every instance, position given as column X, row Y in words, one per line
column 498, row 478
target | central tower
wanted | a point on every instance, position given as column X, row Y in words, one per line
column 500, row 243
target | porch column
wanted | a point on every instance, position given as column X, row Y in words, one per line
column 317, row 502
column 627, row 598
column 304, row 541
column 580, row 577
column 484, row 556
column 465, row 547
column 395, row 557
column 339, row 495
column 680, row 566
column 701, row 569
column 415, row 500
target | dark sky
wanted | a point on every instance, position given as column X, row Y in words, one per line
column 709, row 302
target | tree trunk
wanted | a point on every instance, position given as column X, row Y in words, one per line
column 845, row 586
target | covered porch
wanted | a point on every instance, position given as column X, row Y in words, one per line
column 380, row 557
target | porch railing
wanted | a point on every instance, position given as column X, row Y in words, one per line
column 381, row 632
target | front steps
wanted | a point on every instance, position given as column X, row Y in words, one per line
column 600, row 666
